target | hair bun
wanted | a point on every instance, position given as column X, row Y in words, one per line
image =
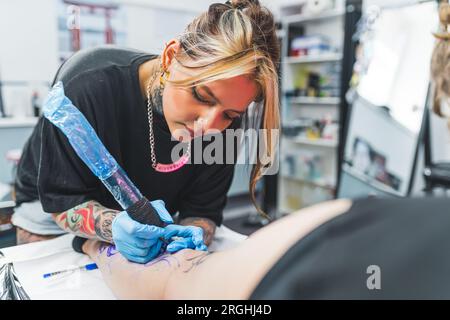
column 242, row 4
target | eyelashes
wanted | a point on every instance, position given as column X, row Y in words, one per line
column 200, row 99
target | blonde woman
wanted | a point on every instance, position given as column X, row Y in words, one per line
column 142, row 106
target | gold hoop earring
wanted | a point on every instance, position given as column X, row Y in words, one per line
column 163, row 78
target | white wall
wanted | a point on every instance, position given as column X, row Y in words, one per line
column 149, row 27
column 29, row 34
column 174, row 5
column 28, row 40
column 28, row 51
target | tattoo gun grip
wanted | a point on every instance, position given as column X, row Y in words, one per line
column 143, row 212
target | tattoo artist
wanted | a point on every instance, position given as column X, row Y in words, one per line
column 142, row 105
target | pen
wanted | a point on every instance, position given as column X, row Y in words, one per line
column 87, row 267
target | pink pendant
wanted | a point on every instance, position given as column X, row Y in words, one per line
column 173, row 166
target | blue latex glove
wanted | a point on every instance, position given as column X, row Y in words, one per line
column 191, row 238
column 136, row 241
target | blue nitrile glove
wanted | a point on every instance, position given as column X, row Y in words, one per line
column 136, row 241
column 191, row 238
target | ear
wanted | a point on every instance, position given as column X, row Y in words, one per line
column 172, row 48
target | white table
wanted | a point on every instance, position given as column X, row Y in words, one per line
column 31, row 261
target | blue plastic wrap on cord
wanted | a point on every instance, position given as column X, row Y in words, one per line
column 60, row 111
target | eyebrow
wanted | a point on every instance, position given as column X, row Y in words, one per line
column 209, row 91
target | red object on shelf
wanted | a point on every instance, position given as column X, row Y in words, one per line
column 76, row 32
column 298, row 52
column 109, row 32
column 75, row 39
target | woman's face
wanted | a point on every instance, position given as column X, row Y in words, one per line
column 191, row 112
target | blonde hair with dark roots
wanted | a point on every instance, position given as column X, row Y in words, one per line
column 232, row 39
column 440, row 61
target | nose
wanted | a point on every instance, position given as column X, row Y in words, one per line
column 213, row 119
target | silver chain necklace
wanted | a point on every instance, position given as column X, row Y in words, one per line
column 151, row 134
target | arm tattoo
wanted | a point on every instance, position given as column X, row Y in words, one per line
column 88, row 220
column 208, row 226
column 171, row 260
column 103, row 224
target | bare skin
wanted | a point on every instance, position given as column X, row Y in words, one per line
column 231, row 274
column 24, row 236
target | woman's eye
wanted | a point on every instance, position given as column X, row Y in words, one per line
column 200, row 98
column 231, row 117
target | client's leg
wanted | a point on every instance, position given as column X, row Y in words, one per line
column 24, row 236
column 130, row 280
column 33, row 224
column 231, row 274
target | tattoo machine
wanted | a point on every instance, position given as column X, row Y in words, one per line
column 60, row 111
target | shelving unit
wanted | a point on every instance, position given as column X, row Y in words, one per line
column 327, row 143
column 308, row 172
column 325, row 57
column 318, row 183
column 314, row 18
column 332, row 101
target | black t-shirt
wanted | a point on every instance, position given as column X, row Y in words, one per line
column 379, row 249
column 103, row 83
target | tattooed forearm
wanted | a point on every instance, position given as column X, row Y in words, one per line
column 103, row 224
column 80, row 219
column 88, row 220
column 209, row 227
